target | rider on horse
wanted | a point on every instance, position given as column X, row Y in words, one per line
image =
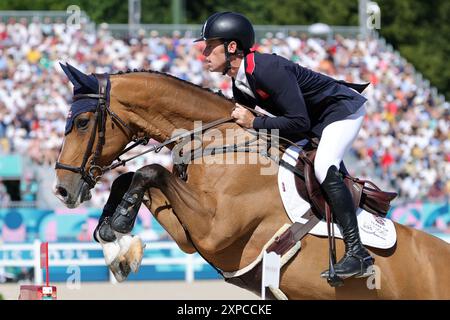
column 303, row 102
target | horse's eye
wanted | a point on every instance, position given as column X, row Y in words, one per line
column 82, row 123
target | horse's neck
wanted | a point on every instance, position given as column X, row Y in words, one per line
column 164, row 104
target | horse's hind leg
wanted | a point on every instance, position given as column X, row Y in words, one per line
column 123, row 252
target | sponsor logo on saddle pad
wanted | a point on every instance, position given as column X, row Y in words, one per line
column 376, row 226
column 374, row 231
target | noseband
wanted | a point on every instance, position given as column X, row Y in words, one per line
column 101, row 112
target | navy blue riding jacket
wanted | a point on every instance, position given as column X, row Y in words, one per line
column 303, row 101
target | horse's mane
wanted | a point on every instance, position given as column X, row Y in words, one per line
column 209, row 91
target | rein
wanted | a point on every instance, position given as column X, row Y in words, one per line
column 101, row 113
column 103, row 110
column 156, row 148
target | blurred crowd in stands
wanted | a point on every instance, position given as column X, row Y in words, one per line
column 404, row 140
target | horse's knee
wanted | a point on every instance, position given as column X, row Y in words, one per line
column 153, row 175
column 118, row 188
column 122, row 183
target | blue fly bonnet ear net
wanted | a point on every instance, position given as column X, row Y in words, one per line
column 82, row 83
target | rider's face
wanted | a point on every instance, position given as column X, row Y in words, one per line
column 215, row 55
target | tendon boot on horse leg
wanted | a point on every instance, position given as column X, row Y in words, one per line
column 103, row 231
column 356, row 260
column 123, row 252
column 126, row 212
column 145, row 178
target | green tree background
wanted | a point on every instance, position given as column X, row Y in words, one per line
column 419, row 29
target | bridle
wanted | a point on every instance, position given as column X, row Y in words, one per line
column 101, row 112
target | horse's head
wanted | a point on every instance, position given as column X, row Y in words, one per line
column 92, row 138
column 154, row 105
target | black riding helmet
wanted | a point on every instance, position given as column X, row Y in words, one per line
column 229, row 26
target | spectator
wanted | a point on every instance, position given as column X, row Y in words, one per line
column 405, row 139
column 5, row 198
column 28, row 188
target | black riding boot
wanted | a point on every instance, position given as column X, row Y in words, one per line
column 356, row 259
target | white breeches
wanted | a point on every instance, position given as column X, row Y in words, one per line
column 336, row 139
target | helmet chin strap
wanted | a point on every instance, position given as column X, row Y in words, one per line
column 227, row 59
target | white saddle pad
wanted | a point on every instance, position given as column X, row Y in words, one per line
column 374, row 231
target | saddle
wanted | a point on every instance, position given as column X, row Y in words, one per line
column 366, row 194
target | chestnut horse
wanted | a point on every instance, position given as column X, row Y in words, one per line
column 229, row 210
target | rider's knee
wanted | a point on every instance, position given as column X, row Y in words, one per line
column 321, row 166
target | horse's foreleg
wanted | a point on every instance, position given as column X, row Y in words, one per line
column 183, row 199
column 162, row 211
column 119, row 186
column 122, row 251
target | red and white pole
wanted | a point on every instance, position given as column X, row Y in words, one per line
column 44, row 261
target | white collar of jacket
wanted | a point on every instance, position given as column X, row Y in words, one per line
column 241, row 81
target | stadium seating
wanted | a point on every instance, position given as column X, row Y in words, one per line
column 404, row 141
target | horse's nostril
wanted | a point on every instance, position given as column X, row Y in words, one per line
column 62, row 191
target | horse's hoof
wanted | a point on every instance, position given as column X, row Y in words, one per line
column 129, row 258
column 120, row 269
column 111, row 251
column 135, row 253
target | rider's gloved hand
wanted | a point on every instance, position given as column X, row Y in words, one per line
column 243, row 117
